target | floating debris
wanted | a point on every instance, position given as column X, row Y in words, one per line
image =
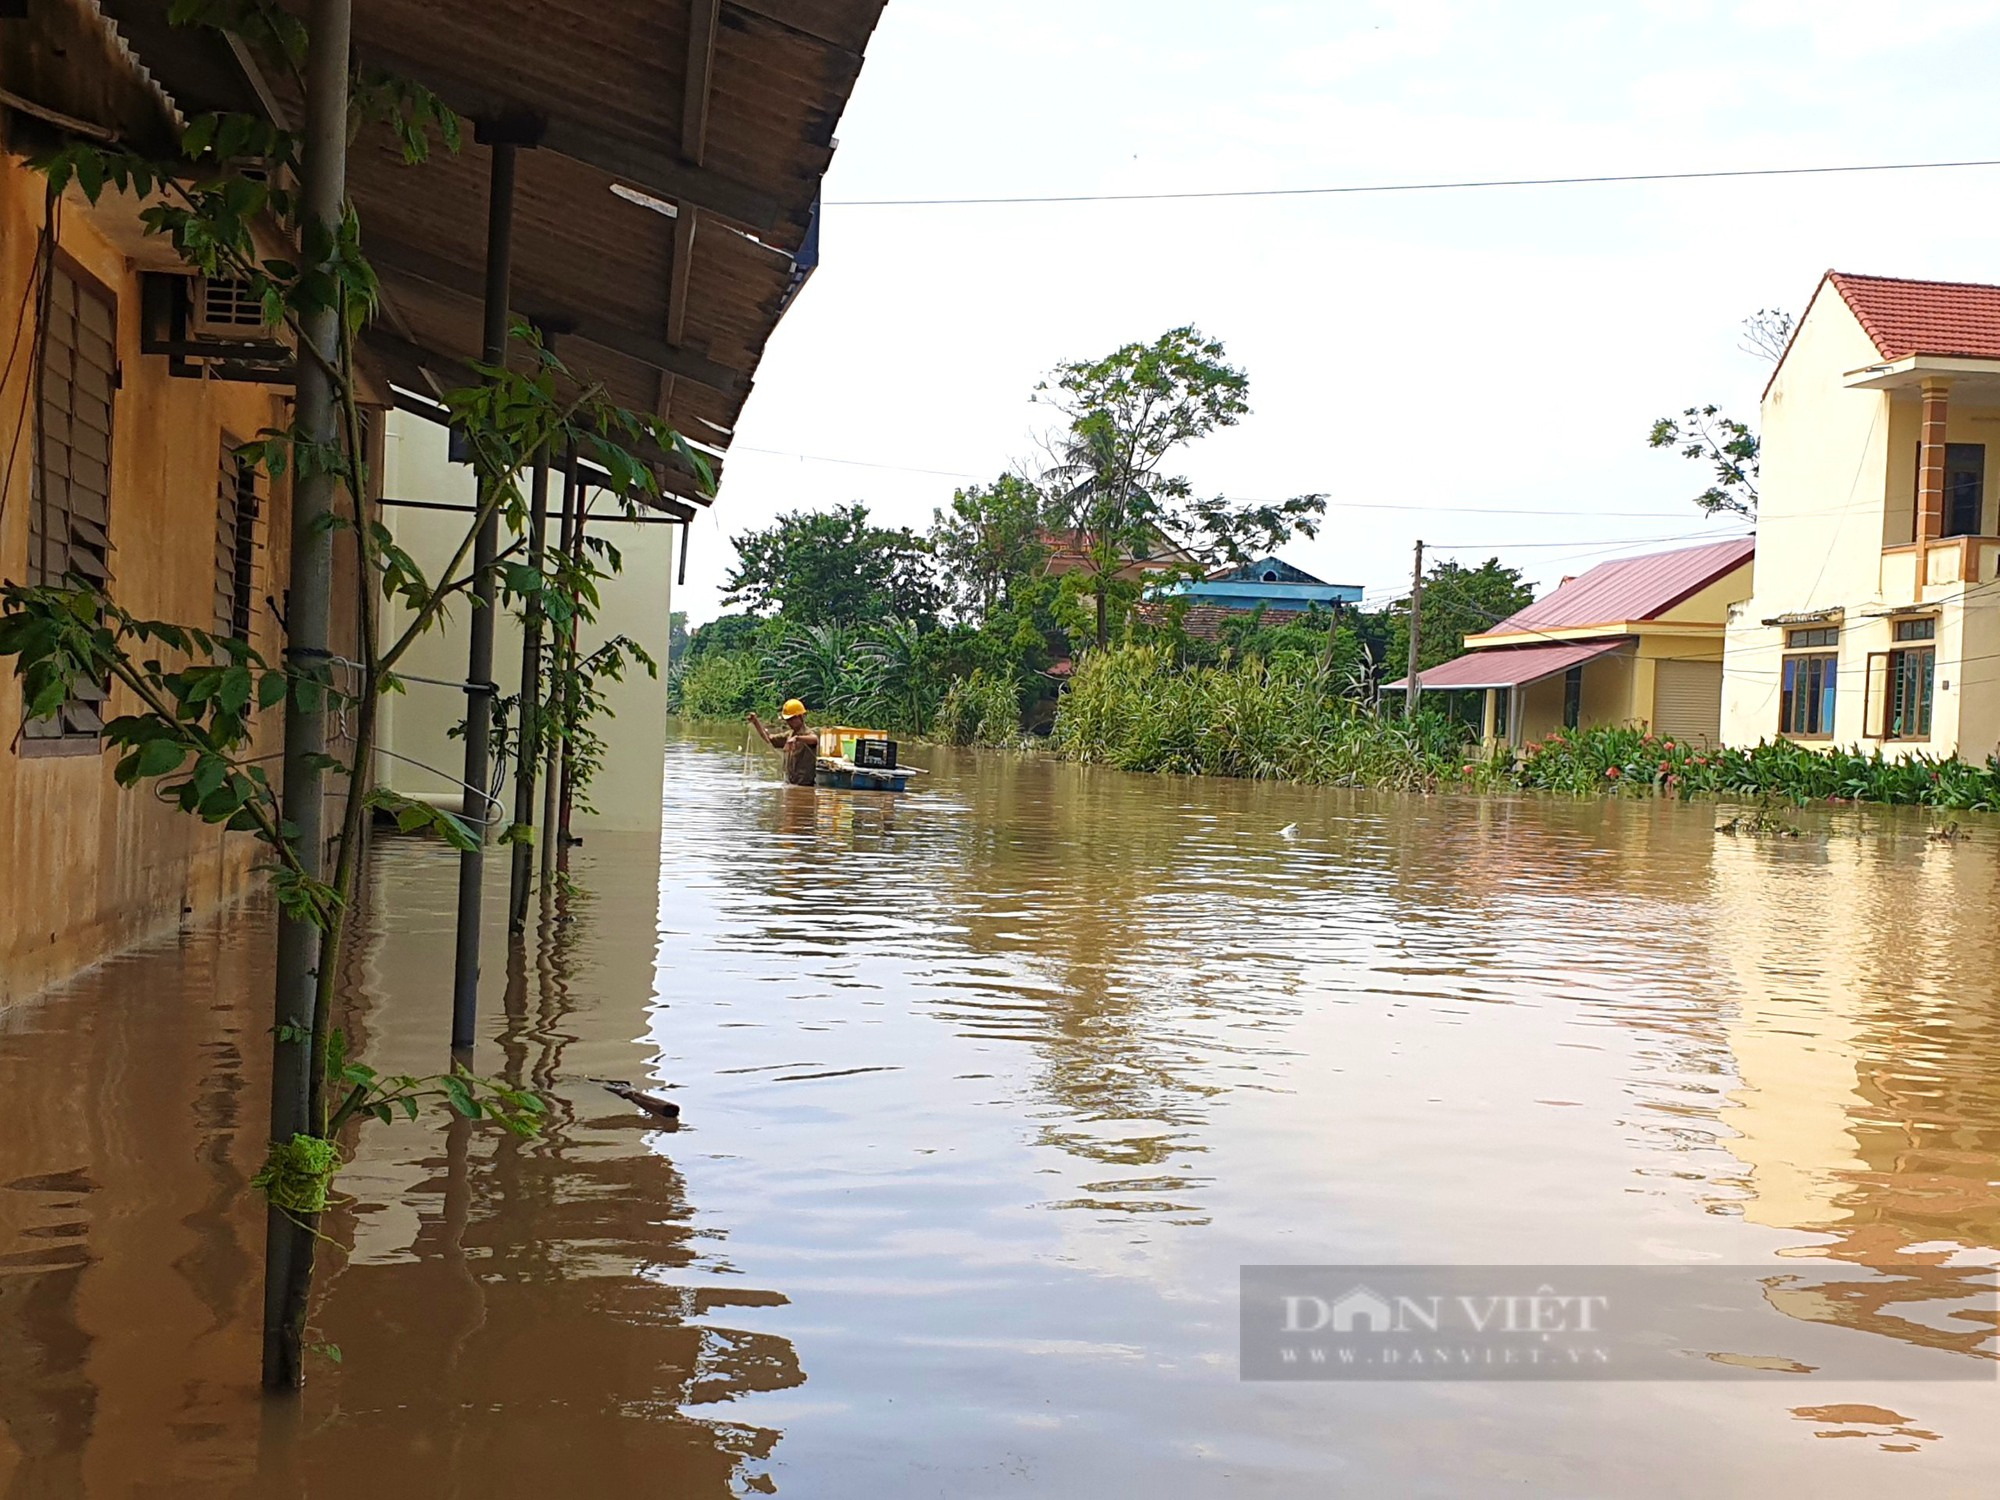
column 652, row 1104
column 1759, row 824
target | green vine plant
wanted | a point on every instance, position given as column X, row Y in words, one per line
column 230, row 207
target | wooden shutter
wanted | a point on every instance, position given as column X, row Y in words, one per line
column 236, row 512
column 69, row 512
column 71, row 509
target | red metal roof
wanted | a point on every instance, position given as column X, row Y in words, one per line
column 1509, row 666
column 1906, row 317
column 1632, row 588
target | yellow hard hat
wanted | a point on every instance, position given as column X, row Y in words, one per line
column 793, row 708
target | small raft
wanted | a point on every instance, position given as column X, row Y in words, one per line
column 860, row 760
column 838, row 771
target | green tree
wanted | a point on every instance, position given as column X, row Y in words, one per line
column 989, row 542
column 1128, row 414
column 726, row 634
column 1458, row 601
column 677, row 636
column 835, row 567
column 1729, row 447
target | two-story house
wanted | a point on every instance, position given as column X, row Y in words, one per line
column 1875, row 621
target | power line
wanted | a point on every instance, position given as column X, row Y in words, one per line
column 852, row 463
column 1405, row 187
column 1465, row 510
column 1633, row 541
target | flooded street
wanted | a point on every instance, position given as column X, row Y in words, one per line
column 988, row 1094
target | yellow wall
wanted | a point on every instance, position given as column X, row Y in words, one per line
column 1838, row 486
column 1709, row 607
column 636, row 604
column 1825, row 469
column 1620, row 689
column 1617, row 690
column 87, row 866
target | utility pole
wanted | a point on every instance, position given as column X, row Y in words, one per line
column 479, row 664
column 1416, row 631
column 288, row 1246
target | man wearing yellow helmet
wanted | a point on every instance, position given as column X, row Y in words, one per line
column 798, row 743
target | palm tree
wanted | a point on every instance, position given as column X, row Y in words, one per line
column 1110, row 505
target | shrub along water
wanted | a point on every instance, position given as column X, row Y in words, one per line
column 1136, row 709
column 983, row 709
column 1632, row 761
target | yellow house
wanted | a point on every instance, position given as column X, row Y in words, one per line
column 1637, row 641
column 662, row 248
column 119, row 465
column 1874, row 622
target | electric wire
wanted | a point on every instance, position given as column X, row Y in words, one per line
column 1456, row 185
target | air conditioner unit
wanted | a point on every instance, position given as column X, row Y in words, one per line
column 227, row 308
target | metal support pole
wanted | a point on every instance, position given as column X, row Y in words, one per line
column 528, row 753
column 552, row 779
column 323, row 170
column 1416, row 630
column 566, row 799
column 479, row 659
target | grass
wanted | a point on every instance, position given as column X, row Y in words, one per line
column 1137, row 709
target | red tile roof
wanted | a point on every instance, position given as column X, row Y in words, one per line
column 1924, row 317
column 1633, row 588
column 1509, row 666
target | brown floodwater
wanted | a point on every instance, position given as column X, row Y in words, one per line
column 989, row 1093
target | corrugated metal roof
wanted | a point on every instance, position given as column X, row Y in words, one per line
column 1632, row 588
column 1510, row 666
column 1907, row 317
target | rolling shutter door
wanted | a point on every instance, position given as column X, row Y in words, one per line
column 1687, row 700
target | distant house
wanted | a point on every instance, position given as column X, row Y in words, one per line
column 1875, row 622
column 1637, row 641
column 1069, row 552
column 1285, row 595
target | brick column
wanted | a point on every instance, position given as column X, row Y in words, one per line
column 1930, row 464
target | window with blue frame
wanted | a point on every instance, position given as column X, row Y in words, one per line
column 1811, row 679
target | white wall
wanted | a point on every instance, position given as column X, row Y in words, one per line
column 636, row 603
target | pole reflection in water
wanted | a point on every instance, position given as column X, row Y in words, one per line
column 989, row 1090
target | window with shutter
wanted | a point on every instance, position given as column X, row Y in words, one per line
column 236, row 514
column 69, row 512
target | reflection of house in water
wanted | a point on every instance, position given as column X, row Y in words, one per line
column 513, row 1314
column 1866, row 1047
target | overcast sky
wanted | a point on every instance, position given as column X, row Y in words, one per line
column 1419, row 357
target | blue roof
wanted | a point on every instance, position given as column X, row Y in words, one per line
column 1267, row 570
column 1236, row 594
